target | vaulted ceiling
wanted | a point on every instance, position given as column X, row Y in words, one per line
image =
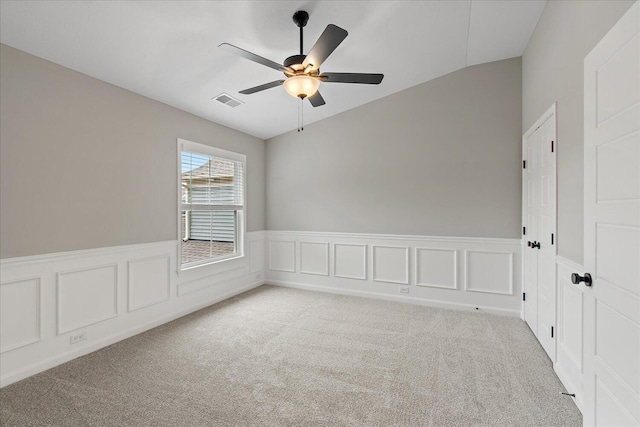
column 167, row 50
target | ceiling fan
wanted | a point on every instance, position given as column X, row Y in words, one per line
column 302, row 72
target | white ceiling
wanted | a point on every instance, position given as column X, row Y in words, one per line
column 167, row 50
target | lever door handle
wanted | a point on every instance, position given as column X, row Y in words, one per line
column 576, row 279
column 535, row 245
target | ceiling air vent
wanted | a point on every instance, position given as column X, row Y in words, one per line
column 228, row 100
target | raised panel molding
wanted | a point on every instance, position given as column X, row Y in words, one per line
column 110, row 293
column 256, row 256
column 148, row 281
column 314, row 258
column 437, row 268
column 391, row 264
column 20, row 313
column 87, row 296
column 489, row 272
column 570, row 326
column 350, row 261
column 282, row 256
column 431, row 268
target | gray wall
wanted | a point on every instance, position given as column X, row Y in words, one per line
column 441, row 158
column 552, row 71
column 85, row 164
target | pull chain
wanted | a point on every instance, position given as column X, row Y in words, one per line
column 300, row 116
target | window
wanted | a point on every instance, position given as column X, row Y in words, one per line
column 211, row 204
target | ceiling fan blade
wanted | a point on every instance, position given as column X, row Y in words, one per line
column 253, row 57
column 371, row 79
column 329, row 40
column 316, row 100
column 261, row 87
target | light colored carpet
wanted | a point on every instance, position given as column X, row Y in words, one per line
column 283, row 357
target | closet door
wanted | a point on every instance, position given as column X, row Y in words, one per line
column 531, row 204
column 546, row 244
column 539, row 221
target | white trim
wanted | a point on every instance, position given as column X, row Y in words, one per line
column 59, row 275
column 375, row 284
column 130, row 307
column 432, row 285
column 366, row 249
column 551, row 111
column 198, row 289
column 406, row 266
column 38, row 336
column 485, row 291
column 397, row 298
column 570, row 387
column 208, row 150
column 402, row 237
column 270, row 264
column 241, row 222
column 56, row 360
column 326, row 271
column 571, row 264
column 73, row 255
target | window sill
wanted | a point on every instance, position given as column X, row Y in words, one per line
column 211, row 267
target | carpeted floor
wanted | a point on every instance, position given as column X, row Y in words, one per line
column 283, row 357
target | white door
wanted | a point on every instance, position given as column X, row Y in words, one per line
column 539, row 182
column 545, row 246
column 612, row 226
column 530, row 213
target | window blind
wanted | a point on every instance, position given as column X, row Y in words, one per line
column 211, row 183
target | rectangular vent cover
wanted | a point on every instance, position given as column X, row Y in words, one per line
column 228, row 100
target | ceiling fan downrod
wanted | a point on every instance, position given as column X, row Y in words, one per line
column 300, row 18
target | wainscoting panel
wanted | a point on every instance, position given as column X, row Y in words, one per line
column 19, row 313
column 437, row 268
column 414, row 269
column 87, row 296
column 97, row 297
column 489, row 272
column 569, row 357
column 256, row 256
column 350, row 261
column 282, row 256
column 391, row 264
column 148, row 281
column 314, row 258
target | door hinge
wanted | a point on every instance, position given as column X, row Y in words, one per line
column 524, row 231
column 552, row 238
column 552, row 332
column 552, row 146
column 524, row 296
column 524, row 164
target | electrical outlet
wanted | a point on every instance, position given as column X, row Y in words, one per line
column 76, row 338
column 404, row 289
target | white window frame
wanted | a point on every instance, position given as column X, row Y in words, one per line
column 194, row 147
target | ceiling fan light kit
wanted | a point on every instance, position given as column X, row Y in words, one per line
column 301, row 86
column 302, row 72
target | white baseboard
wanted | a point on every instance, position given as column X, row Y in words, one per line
column 107, row 294
column 396, row 298
column 45, row 364
column 569, row 364
column 571, row 388
column 452, row 272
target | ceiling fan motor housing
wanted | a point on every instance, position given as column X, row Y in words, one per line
column 294, row 62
